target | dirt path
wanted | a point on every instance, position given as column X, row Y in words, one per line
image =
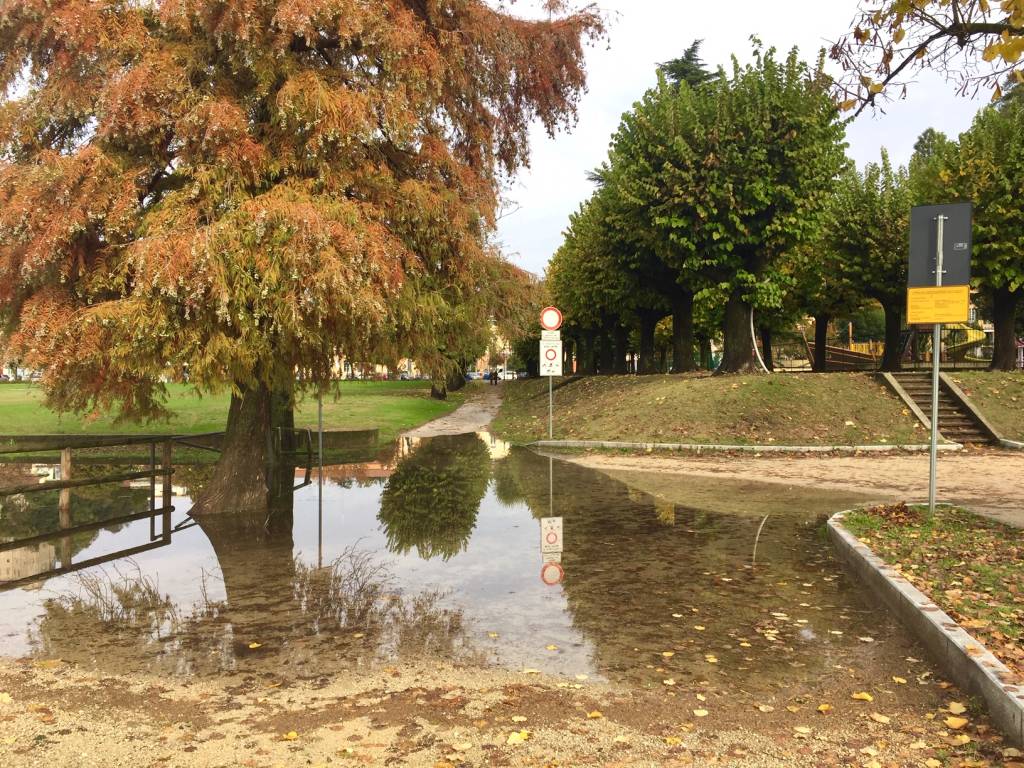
column 474, row 415
column 987, row 481
column 56, row 715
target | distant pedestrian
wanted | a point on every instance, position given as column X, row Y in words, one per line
column 494, row 378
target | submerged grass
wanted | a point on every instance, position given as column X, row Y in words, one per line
column 972, row 567
column 783, row 409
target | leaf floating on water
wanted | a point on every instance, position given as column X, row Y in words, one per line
column 492, row 635
column 551, row 647
column 863, row 696
column 517, row 737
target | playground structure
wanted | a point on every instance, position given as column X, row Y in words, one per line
column 963, row 346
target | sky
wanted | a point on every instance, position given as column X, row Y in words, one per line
column 643, row 33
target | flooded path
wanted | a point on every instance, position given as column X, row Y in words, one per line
column 699, row 620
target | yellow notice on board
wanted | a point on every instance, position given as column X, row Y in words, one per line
column 949, row 304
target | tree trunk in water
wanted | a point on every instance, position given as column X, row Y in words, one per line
column 241, row 480
column 737, row 357
column 1004, row 318
column 647, row 364
column 621, row 335
column 892, row 359
column 683, row 359
column 820, row 362
column 766, row 348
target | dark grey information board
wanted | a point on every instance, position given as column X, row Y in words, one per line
column 957, row 242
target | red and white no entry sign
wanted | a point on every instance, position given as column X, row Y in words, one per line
column 551, row 318
column 552, row 574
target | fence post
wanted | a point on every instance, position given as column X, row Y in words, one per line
column 65, row 493
column 166, row 459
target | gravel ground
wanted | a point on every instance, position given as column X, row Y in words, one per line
column 55, row 715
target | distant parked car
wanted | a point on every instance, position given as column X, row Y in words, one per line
column 522, row 374
column 4, row 377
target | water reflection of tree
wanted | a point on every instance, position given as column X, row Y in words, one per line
column 431, row 501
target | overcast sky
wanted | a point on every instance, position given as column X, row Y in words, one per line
column 643, row 33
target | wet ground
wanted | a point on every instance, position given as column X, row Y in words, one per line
column 700, row 618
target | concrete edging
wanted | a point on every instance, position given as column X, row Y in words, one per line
column 698, row 448
column 1013, row 445
column 966, row 661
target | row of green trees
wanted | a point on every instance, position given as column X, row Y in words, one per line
column 731, row 193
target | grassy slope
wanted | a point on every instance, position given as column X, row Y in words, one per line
column 1000, row 396
column 968, row 565
column 391, row 406
column 784, row 409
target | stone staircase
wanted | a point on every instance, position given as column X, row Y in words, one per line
column 955, row 422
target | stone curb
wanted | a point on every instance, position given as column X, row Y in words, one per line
column 698, row 448
column 1013, row 445
column 966, row 661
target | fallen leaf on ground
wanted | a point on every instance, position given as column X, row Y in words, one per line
column 956, row 723
column 957, row 708
column 879, row 718
column 595, row 715
column 518, row 719
column 290, row 736
column 899, row 680
column 863, row 696
column 700, row 713
column 517, row 737
column 254, row 646
column 824, row 708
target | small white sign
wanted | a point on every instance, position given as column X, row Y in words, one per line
column 551, row 535
column 551, row 358
column 550, row 335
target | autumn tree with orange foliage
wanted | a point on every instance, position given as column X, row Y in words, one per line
column 250, row 188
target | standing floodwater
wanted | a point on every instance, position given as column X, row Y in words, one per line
column 438, row 555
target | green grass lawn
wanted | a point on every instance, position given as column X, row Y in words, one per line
column 999, row 396
column 783, row 409
column 390, row 406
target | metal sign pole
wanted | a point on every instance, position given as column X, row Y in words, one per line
column 940, row 221
column 551, row 408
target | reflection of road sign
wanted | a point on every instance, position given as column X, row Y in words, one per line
column 551, row 358
column 550, row 335
column 550, row 318
column 956, row 245
column 551, row 535
column 552, row 574
column 926, row 306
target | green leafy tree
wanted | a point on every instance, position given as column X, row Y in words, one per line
column 988, row 169
column 870, row 240
column 688, row 68
column 731, row 178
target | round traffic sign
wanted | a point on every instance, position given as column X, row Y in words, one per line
column 552, row 537
column 551, row 318
column 551, row 354
column 552, row 574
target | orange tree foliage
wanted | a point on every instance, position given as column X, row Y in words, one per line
column 250, row 187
